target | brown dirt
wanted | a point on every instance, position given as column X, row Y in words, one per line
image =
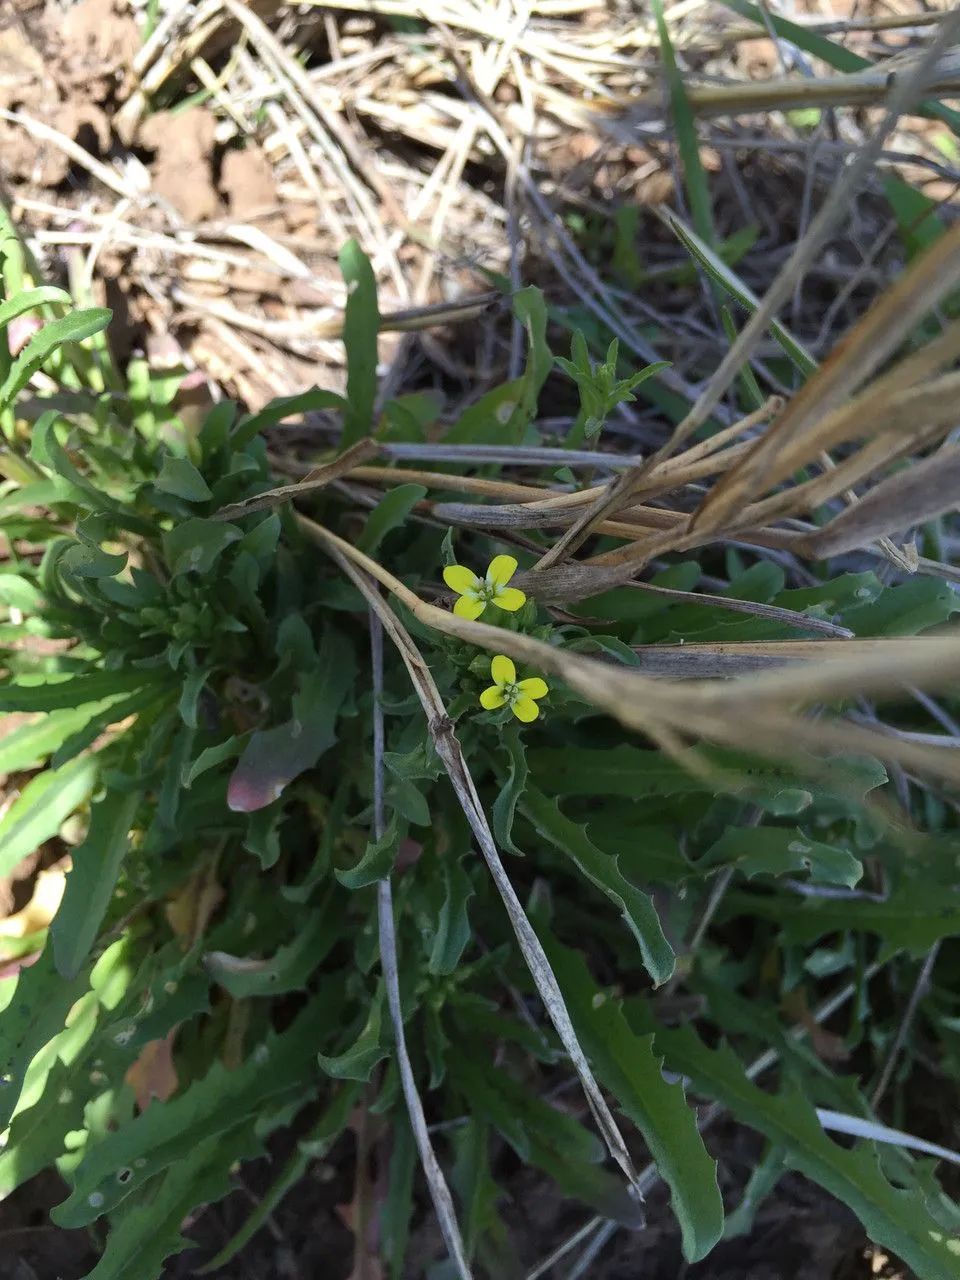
column 182, row 169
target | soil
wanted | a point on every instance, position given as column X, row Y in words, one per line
column 800, row 1233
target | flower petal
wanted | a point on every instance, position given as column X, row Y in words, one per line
column 533, row 688
column 502, row 569
column 459, row 578
column 492, row 698
column 525, row 709
column 509, row 598
column 469, row 607
column 502, row 670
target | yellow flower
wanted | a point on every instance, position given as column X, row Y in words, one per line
column 476, row 593
column 508, row 691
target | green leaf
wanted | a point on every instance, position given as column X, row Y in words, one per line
column 210, row 757
column 274, row 757
column 627, row 1065
column 36, row 1013
column 603, row 870
column 289, row 969
column 916, row 215
column 774, row 851
column 117, row 709
column 357, row 1062
column 915, row 915
column 377, row 861
column 453, row 926
column 37, row 1134
column 181, row 478
column 485, row 421
column 166, row 1132
column 143, row 1239
column 71, row 328
column 361, row 324
column 91, row 882
column 315, row 1146
column 20, row 593
column 42, row 807
column 195, row 545
column 505, row 805
column 761, row 1183
column 312, row 401
column 389, row 513
column 215, row 431
column 905, row 609
column 397, row 1211
column 634, row 773
column 30, row 744
column 529, row 307
column 685, row 124
column 647, row 851
column 724, row 276
column 897, row 1220
column 752, row 398
column 30, row 300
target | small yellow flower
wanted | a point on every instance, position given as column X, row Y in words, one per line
column 476, row 593
column 508, row 691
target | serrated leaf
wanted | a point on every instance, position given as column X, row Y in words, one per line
column 71, row 328
column 898, row 1220
column 627, row 1065
column 91, row 882
column 361, row 324
column 40, row 809
column 545, row 1137
column 778, row 850
column 117, row 710
column 126, row 1158
column 30, row 744
column 389, row 513
column 453, row 924
column 377, row 861
column 31, row 694
column 181, row 478
column 505, row 805
column 603, row 871
column 367, row 1050
column 150, row 1233
column 915, row 915
column 195, row 545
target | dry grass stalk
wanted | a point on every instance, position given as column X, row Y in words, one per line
column 763, row 714
column 448, row 749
